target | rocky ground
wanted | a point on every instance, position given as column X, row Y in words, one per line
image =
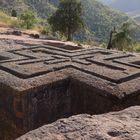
column 123, row 125
column 8, row 40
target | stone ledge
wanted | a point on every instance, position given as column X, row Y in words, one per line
column 123, row 125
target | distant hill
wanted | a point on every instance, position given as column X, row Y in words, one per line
column 137, row 19
column 132, row 7
column 43, row 7
column 8, row 5
column 126, row 5
column 99, row 19
column 107, row 2
column 123, row 5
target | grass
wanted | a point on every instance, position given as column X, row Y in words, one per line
column 136, row 47
column 7, row 21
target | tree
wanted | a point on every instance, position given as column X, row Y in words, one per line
column 14, row 13
column 110, row 39
column 68, row 18
column 28, row 18
column 120, row 39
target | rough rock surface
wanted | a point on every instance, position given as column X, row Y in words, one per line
column 9, row 42
column 40, row 84
column 123, row 125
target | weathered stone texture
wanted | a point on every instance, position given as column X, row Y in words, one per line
column 123, row 125
column 40, row 84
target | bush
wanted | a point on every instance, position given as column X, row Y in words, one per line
column 28, row 19
column 136, row 47
column 14, row 13
column 68, row 18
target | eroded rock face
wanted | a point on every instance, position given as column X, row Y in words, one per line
column 123, row 125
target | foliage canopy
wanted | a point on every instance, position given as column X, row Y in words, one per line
column 68, row 18
column 28, row 18
column 121, row 38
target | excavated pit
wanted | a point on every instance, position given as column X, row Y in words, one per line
column 41, row 84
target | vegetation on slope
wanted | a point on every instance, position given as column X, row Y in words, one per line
column 6, row 20
column 99, row 20
column 43, row 7
column 8, row 5
column 68, row 18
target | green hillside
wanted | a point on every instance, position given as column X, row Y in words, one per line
column 99, row 19
column 8, row 5
column 43, row 7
